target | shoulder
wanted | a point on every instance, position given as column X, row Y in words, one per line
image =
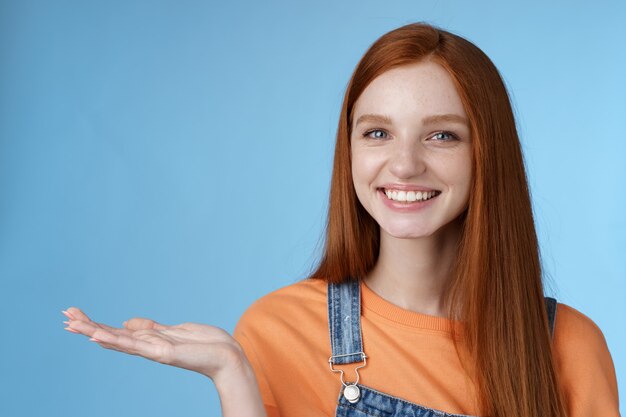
column 302, row 301
column 302, row 295
column 584, row 364
column 285, row 324
column 572, row 327
column 578, row 338
column 290, row 323
column 573, row 323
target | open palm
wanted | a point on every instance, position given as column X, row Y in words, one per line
column 206, row 349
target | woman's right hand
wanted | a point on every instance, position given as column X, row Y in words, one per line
column 206, row 349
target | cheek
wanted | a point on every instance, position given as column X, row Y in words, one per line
column 455, row 170
column 463, row 174
column 365, row 169
column 364, row 166
column 357, row 175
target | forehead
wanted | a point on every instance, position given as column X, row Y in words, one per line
column 411, row 92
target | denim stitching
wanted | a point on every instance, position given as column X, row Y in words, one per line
column 355, row 327
column 409, row 403
column 350, row 407
column 345, row 338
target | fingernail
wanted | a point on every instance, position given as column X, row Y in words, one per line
column 71, row 330
column 68, row 314
column 66, row 322
column 93, row 339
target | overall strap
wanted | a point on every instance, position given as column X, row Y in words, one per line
column 551, row 307
column 344, row 320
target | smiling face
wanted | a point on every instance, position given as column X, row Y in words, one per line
column 411, row 150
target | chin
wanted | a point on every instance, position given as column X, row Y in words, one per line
column 403, row 233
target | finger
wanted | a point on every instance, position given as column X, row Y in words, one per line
column 109, row 328
column 83, row 327
column 68, row 315
column 130, row 345
column 101, row 325
column 72, row 330
column 104, row 344
column 139, row 323
column 89, row 328
column 75, row 313
column 120, row 342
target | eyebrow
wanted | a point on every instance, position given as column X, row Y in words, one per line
column 380, row 118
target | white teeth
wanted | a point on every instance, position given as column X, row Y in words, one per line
column 410, row 196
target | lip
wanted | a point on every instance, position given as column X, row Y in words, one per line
column 406, row 207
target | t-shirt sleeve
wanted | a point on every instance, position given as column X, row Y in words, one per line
column 585, row 366
column 266, row 393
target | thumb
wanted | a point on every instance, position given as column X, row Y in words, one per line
column 139, row 323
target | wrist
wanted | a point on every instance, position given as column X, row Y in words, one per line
column 239, row 392
column 236, row 367
column 233, row 377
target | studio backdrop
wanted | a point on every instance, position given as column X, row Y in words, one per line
column 172, row 160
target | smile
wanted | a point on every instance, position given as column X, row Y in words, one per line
column 409, row 196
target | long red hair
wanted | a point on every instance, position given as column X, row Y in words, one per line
column 496, row 290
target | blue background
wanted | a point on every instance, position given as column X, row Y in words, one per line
column 172, row 160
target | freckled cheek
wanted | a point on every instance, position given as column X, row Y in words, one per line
column 359, row 176
column 361, row 179
column 455, row 171
column 365, row 168
column 461, row 177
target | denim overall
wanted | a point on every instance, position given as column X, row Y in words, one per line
column 356, row 400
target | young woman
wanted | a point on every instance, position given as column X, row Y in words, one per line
column 428, row 300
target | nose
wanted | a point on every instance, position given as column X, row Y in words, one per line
column 407, row 160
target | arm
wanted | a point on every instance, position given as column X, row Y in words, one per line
column 585, row 365
column 201, row 348
column 239, row 393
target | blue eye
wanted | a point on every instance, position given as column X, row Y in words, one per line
column 367, row 134
column 444, row 136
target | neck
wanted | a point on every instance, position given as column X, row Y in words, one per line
column 413, row 273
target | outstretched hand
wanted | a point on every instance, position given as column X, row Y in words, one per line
column 206, row 349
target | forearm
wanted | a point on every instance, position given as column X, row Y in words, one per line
column 239, row 394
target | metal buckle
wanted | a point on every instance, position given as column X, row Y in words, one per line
column 356, row 370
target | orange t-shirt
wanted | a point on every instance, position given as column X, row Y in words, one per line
column 409, row 355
